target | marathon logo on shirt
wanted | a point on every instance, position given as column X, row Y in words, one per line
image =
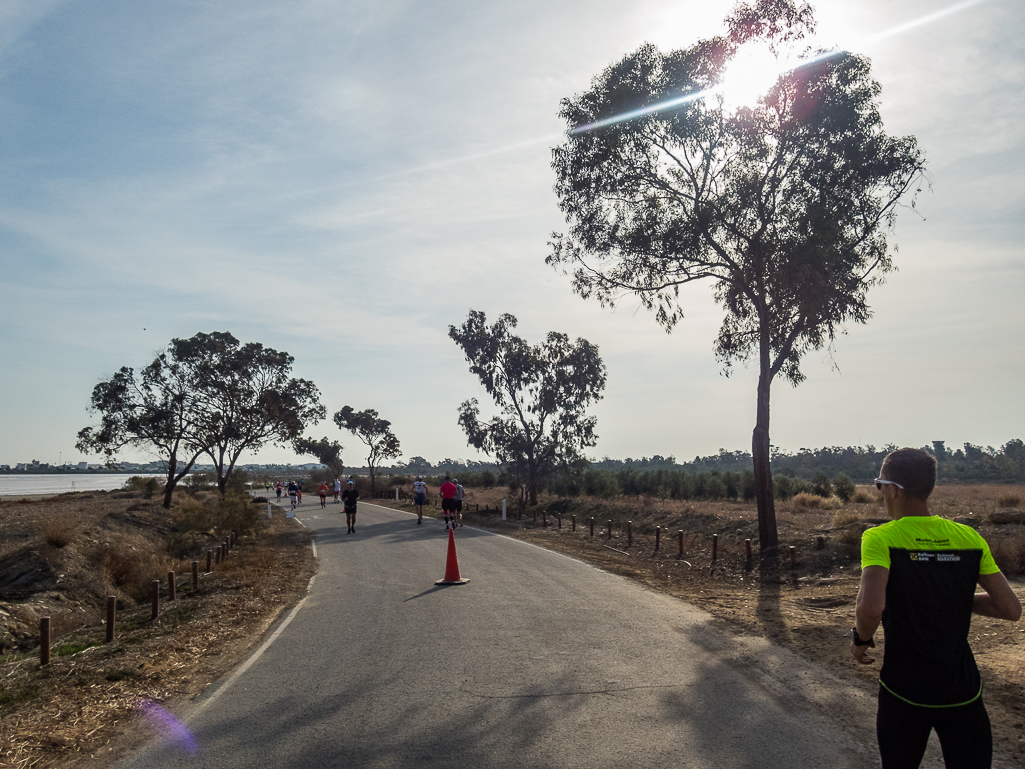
column 938, row 557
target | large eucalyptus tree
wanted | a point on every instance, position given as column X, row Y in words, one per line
column 782, row 205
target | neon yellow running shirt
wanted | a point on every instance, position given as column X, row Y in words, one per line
column 934, row 566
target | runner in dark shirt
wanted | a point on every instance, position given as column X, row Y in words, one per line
column 918, row 578
column 349, row 497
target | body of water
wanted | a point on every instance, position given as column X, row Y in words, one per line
column 60, row 483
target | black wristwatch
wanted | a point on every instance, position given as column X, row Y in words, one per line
column 856, row 639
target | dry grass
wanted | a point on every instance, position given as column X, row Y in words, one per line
column 815, row 502
column 862, row 497
column 82, row 702
column 130, row 564
column 59, row 532
column 1008, row 500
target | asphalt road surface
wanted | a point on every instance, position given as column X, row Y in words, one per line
column 540, row 661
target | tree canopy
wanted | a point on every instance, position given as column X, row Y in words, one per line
column 154, row 411
column 207, row 394
column 374, row 432
column 542, row 392
column 327, row 452
column 246, row 397
column 783, row 206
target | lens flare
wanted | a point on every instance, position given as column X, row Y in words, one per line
column 753, row 72
column 169, row 727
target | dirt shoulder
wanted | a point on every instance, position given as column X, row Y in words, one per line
column 74, row 711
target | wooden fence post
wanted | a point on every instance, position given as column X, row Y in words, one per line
column 170, row 586
column 679, row 537
column 592, row 527
column 629, row 532
column 111, row 608
column 658, row 537
column 715, row 546
column 574, row 521
column 44, row 640
column 793, row 557
column 209, row 558
column 609, row 530
column 195, row 576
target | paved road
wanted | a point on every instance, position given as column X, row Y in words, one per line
column 540, row 661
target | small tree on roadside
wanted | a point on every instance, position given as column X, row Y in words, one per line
column 154, row 411
column 783, row 206
column 541, row 390
column 246, row 397
column 374, row 432
column 327, row 452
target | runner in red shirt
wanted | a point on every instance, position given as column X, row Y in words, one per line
column 448, row 502
column 322, row 490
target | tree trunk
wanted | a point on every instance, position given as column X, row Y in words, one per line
column 370, row 464
column 172, row 467
column 768, row 537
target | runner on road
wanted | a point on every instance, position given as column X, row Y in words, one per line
column 349, row 497
column 338, row 490
column 419, row 497
column 448, row 502
column 293, row 493
column 322, row 491
column 460, row 493
column 919, row 573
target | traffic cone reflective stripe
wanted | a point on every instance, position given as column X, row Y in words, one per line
column 452, row 564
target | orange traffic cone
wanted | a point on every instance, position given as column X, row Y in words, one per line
column 452, row 564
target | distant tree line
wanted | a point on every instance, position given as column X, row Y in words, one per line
column 970, row 464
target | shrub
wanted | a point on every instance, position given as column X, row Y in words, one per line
column 748, row 485
column 861, row 497
column 600, row 483
column 148, row 486
column 844, row 517
column 131, row 567
column 844, row 487
column 237, row 482
column 808, row 501
column 820, row 485
column 200, row 481
column 59, row 531
column 783, row 487
column 713, row 486
column 1009, row 500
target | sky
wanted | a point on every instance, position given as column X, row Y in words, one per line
column 345, row 180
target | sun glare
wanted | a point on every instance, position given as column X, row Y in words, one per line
column 749, row 75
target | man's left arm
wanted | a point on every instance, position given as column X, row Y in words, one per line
column 999, row 600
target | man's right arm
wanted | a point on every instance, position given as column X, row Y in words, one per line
column 999, row 600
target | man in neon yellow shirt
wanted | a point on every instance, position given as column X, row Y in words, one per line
column 918, row 578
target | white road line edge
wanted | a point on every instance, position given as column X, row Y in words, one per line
column 256, row 655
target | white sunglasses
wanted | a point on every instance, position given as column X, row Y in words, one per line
column 880, row 483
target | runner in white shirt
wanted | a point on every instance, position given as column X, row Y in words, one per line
column 419, row 497
column 459, row 501
column 338, row 490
